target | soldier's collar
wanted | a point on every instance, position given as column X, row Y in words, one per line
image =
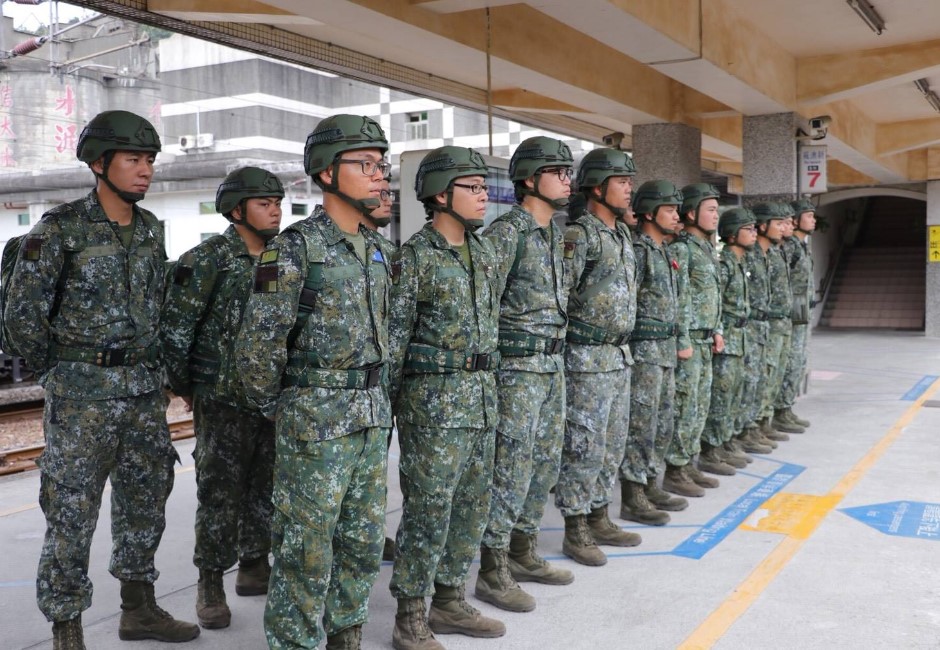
column 529, row 219
column 331, row 232
column 235, row 241
column 96, row 213
column 435, row 238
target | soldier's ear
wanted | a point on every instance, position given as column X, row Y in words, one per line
column 441, row 198
column 98, row 166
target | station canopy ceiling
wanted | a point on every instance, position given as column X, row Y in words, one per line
column 591, row 67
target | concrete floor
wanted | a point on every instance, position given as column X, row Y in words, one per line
column 771, row 559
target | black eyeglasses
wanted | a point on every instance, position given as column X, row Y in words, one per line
column 387, row 196
column 476, row 188
column 563, row 173
column 369, row 167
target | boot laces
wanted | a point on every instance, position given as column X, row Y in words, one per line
column 534, row 557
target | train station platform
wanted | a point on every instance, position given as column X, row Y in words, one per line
column 828, row 542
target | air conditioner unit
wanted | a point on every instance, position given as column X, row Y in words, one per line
column 187, row 142
column 204, row 140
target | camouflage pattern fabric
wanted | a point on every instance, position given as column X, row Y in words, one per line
column 234, row 457
column 657, row 300
column 801, row 284
column 699, row 291
column 528, row 451
column 446, row 474
column 446, row 415
column 778, row 340
column 201, row 316
column 111, row 300
column 328, row 532
column 88, row 441
column 758, row 281
column 600, row 268
column 796, row 364
column 330, row 468
column 728, row 365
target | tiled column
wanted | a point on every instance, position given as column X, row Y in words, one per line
column 667, row 151
column 769, row 156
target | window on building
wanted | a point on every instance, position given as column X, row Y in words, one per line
column 418, row 126
column 23, row 219
column 298, row 209
column 207, row 207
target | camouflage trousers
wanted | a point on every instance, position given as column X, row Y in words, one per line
column 234, row 474
column 651, row 422
column 775, row 364
column 596, row 423
column 528, row 451
column 726, row 396
column 693, row 396
column 753, row 374
column 88, row 441
column 445, row 483
column 796, row 367
column 327, row 535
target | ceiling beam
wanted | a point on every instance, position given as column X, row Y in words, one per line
column 905, row 136
column 524, row 100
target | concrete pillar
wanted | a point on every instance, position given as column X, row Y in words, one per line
column 669, row 151
column 932, row 311
column 769, row 156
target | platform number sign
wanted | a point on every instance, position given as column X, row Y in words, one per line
column 813, row 169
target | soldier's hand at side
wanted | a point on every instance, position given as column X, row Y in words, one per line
column 189, row 403
column 718, row 345
column 685, row 354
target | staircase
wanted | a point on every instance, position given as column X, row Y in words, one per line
column 881, row 281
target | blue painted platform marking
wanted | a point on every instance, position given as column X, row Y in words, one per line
column 900, row 518
column 716, row 530
column 918, row 389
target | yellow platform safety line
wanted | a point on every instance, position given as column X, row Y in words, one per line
column 797, row 516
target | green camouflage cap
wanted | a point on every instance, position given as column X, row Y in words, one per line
column 733, row 220
column 653, row 194
column 533, row 154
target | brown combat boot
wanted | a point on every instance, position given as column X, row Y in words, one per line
column 793, row 417
column 711, row 461
column 142, row 618
column 495, row 584
column 211, row 609
column 411, row 627
column 734, row 448
column 781, row 422
column 253, row 576
column 68, row 635
column 675, row 480
column 700, row 479
column 526, row 565
column 661, row 499
column 579, row 545
column 635, row 506
column 349, row 638
column 606, row 532
column 451, row 614
column 752, row 442
column 758, row 432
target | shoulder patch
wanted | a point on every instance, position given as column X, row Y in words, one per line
column 32, row 245
column 569, row 249
column 268, row 256
column 266, row 278
column 396, row 271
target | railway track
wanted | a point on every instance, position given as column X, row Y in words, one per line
column 24, row 458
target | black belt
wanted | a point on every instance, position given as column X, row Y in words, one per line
column 299, row 374
column 520, row 344
column 107, row 358
column 585, row 334
column 430, row 359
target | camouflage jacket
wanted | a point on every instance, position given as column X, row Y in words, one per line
column 801, row 268
column 735, row 306
column 699, row 285
column 657, row 303
column 110, row 300
column 781, row 298
column 202, row 315
column 757, row 267
column 600, row 270
column 442, row 315
column 533, row 298
column 344, row 335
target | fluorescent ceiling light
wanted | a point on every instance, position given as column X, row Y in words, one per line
column 867, row 13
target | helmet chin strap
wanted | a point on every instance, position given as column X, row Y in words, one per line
column 470, row 225
column 665, row 231
column 618, row 212
column 364, row 206
column 128, row 197
column 379, row 222
column 698, row 225
column 266, row 234
column 558, row 204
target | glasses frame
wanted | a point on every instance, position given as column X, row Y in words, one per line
column 475, row 188
column 563, row 173
column 382, row 165
column 388, row 195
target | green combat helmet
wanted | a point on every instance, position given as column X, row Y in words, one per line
column 733, row 220
column 331, row 137
column 799, row 207
column 241, row 185
column 652, row 195
column 765, row 213
column 116, row 131
column 692, row 197
column 530, row 157
column 438, row 171
column 596, row 170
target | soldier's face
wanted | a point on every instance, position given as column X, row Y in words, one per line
column 385, row 207
column 351, row 179
column 629, row 217
column 774, row 230
column 553, row 182
column 468, row 205
column 708, row 214
column 264, row 213
column 667, row 216
column 746, row 236
column 807, row 221
column 619, row 190
column 130, row 171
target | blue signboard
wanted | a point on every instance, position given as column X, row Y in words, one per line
column 900, row 518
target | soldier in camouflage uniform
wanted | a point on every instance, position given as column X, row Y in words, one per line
column 234, row 454
column 530, row 382
column 443, row 338
column 801, row 283
column 313, row 353
column 83, row 308
column 779, row 310
column 700, row 332
column 653, row 345
column 600, row 271
column 737, row 231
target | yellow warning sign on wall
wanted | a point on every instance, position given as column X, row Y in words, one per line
column 933, row 249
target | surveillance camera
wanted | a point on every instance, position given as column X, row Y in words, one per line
column 820, row 123
column 613, row 139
